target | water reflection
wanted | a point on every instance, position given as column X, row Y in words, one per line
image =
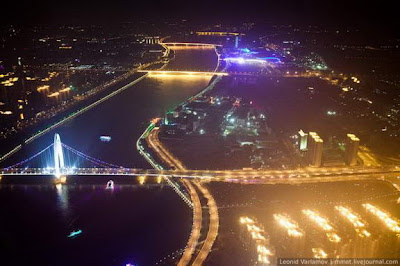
column 62, row 199
column 42, row 216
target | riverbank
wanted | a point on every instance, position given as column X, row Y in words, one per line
column 13, row 144
column 118, row 221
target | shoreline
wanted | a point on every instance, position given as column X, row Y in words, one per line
column 74, row 114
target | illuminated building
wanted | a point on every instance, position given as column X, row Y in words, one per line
column 391, row 223
column 257, row 235
column 151, row 40
column 324, row 224
column 236, row 41
column 259, row 60
column 315, row 145
column 303, row 140
column 218, row 33
column 166, row 118
column 54, row 94
column 352, row 143
column 291, row 226
column 44, row 88
column 358, row 223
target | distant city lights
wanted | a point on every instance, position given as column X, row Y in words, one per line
column 331, row 113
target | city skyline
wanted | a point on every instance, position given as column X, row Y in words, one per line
column 261, row 133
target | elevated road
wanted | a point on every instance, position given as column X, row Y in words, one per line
column 196, row 226
column 154, row 143
column 189, row 253
column 212, row 226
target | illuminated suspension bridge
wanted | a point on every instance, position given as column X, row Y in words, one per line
column 61, row 161
column 58, row 159
column 64, row 159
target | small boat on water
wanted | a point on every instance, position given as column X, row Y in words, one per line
column 75, row 233
column 110, row 185
column 105, row 138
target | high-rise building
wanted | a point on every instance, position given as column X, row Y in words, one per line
column 352, row 143
column 166, row 118
column 237, row 41
column 310, row 145
column 151, row 39
column 303, row 140
column 315, row 145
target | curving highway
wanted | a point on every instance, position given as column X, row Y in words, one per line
column 189, row 253
column 213, row 225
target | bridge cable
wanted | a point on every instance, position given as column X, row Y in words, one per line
column 91, row 159
column 30, row 158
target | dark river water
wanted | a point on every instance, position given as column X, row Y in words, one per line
column 137, row 224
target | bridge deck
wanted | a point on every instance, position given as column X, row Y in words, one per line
column 177, row 72
column 247, row 176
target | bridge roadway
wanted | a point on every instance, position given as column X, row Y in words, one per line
column 228, row 73
column 191, row 44
column 178, row 72
column 302, row 175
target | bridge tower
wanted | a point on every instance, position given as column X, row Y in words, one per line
column 58, row 156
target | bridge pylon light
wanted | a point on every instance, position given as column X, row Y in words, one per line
column 61, row 180
column 58, row 156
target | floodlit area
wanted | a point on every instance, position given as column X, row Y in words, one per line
column 310, row 223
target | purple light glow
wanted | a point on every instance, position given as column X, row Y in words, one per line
column 242, row 60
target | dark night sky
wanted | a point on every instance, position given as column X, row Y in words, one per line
column 377, row 13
